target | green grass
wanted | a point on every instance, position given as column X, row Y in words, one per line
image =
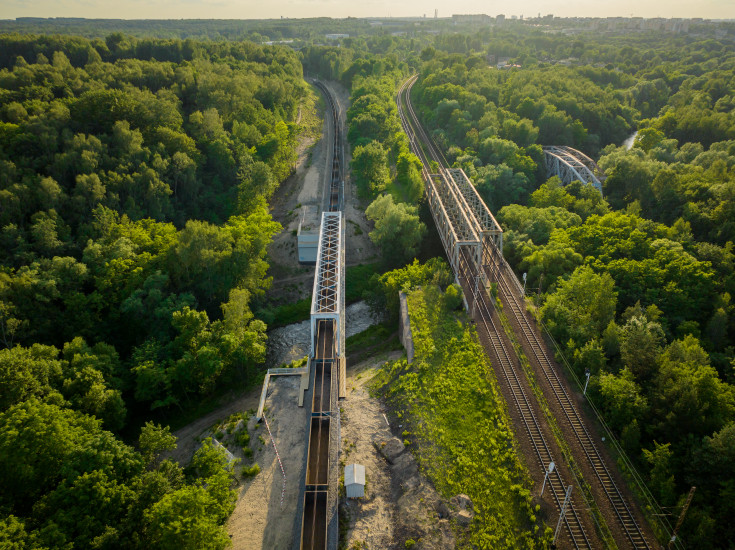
column 287, row 314
column 450, row 401
column 375, row 339
column 311, row 108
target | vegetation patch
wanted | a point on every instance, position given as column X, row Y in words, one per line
column 460, row 428
column 375, row 339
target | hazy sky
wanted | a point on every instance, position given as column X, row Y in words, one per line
column 265, row 9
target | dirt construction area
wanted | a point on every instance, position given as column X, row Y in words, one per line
column 262, row 520
column 259, row 520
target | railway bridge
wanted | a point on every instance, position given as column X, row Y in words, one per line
column 473, row 241
column 326, row 363
column 570, row 165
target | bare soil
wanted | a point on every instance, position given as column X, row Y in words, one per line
column 262, row 520
column 306, row 187
column 259, row 521
column 400, row 503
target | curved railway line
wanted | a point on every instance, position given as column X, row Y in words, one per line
column 500, row 271
column 336, row 186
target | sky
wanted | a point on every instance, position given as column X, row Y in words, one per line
column 273, row 9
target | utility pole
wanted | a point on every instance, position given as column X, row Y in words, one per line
column 563, row 511
column 474, row 301
column 681, row 517
column 525, row 275
column 587, row 374
column 551, row 469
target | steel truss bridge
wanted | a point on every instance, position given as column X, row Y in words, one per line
column 473, row 241
column 326, row 364
column 571, row 165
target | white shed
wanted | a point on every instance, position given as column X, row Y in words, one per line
column 355, row 480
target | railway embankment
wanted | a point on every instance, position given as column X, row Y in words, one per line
column 455, row 422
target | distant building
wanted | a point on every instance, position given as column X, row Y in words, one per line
column 480, row 18
column 355, row 480
column 500, row 19
column 336, row 36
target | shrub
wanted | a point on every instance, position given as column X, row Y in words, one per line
column 243, row 438
column 453, row 297
column 250, row 471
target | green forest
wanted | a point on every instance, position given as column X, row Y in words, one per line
column 137, row 163
column 135, row 176
column 635, row 287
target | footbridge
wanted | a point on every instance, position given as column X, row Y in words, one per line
column 473, row 242
column 571, row 165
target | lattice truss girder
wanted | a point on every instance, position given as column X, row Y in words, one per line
column 487, row 225
column 327, row 293
column 464, row 227
column 448, row 218
column 570, row 165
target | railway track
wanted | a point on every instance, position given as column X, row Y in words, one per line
column 488, row 330
column 509, row 295
column 336, row 186
column 320, row 478
column 427, row 150
column 574, row 527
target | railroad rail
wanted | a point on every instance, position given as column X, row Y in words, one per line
column 336, row 182
column 326, row 359
column 470, row 271
column 626, row 519
column 488, row 331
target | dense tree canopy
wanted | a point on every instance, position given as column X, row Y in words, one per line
column 134, row 179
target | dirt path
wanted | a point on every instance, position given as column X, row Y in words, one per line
column 190, row 436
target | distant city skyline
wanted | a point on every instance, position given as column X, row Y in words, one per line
column 274, row 9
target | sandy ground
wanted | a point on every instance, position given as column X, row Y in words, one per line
column 259, row 521
column 399, row 504
column 306, row 187
column 371, row 519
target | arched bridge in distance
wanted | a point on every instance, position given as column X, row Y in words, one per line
column 571, row 165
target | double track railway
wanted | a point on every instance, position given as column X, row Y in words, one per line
column 498, row 270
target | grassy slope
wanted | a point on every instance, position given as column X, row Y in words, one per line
column 461, row 435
